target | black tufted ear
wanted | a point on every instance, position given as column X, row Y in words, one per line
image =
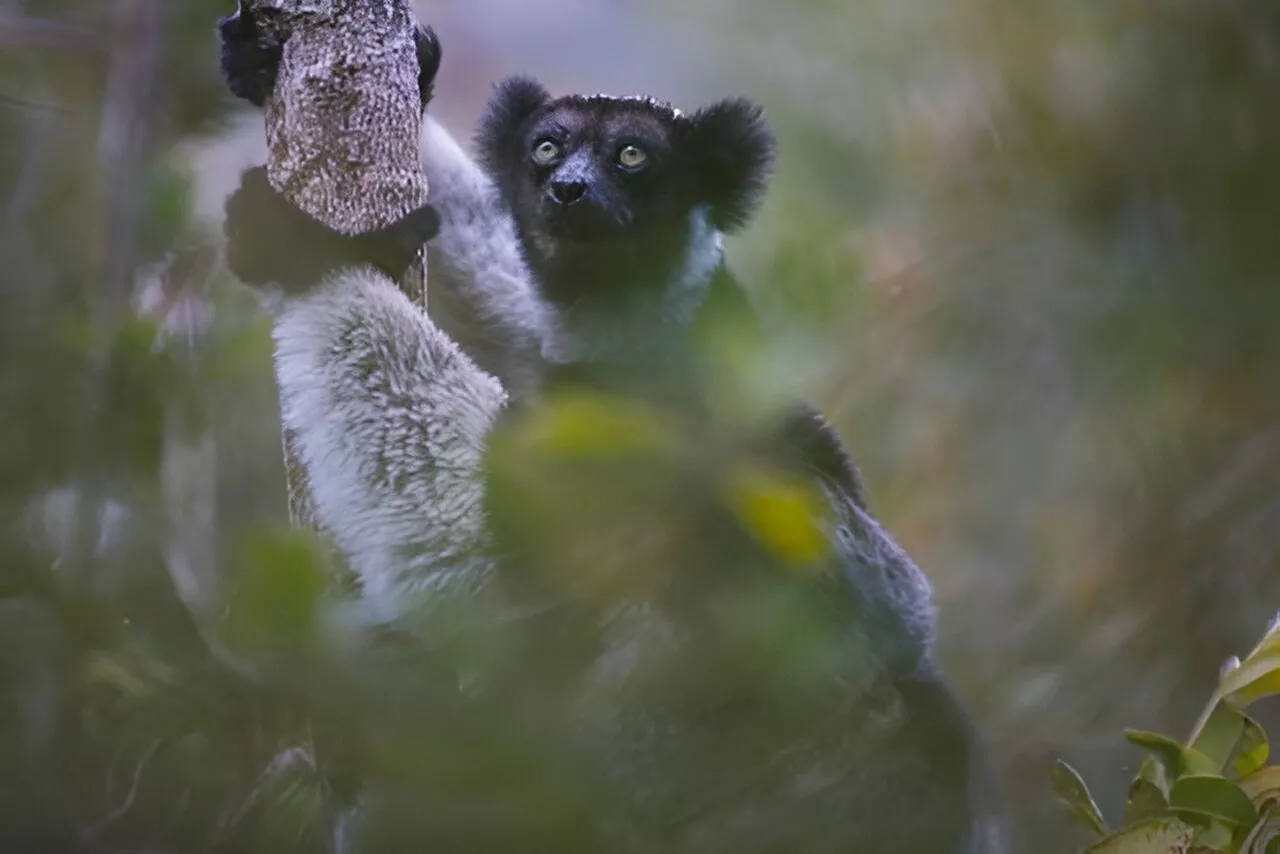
column 498, row 142
column 733, row 148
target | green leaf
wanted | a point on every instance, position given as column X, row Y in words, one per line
column 1154, row 773
column 1214, row 836
column 1070, row 788
column 1167, row 753
column 1205, row 796
column 1145, row 801
column 1159, row 836
column 1195, row 762
column 275, row 594
column 1218, row 735
column 1232, row 740
column 103, row 668
column 1252, row 749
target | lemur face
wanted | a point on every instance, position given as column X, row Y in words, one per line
column 611, row 181
column 597, row 170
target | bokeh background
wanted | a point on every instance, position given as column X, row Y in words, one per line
column 1021, row 251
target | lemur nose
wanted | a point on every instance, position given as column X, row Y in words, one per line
column 568, row 192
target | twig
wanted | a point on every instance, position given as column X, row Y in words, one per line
column 91, row 832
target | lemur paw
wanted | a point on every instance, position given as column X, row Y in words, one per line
column 251, row 54
column 270, row 241
column 427, row 47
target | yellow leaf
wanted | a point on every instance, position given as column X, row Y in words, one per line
column 1258, row 675
column 784, row 512
column 580, row 423
column 1254, row 679
column 1262, row 785
column 1159, row 836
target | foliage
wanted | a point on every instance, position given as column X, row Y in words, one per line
column 1022, row 250
column 1213, row 792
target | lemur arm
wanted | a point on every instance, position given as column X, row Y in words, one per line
column 390, row 416
column 480, row 290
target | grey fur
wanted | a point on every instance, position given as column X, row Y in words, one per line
column 481, row 292
column 899, row 609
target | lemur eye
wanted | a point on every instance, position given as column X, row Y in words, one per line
column 545, row 151
column 632, row 157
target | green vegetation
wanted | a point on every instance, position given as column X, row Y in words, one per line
column 1022, row 251
column 1213, row 792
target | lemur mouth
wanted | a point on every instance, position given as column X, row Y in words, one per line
column 583, row 225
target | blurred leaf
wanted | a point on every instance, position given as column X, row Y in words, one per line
column 1166, row 752
column 1159, row 836
column 1219, row 735
column 1145, row 801
column 1070, row 788
column 783, row 511
column 1252, row 748
column 1214, row 798
column 1216, row 836
column 1262, row 785
column 1265, row 836
column 576, row 423
column 1258, row 675
column 275, row 593
column 105, row 669
column 1155, row 773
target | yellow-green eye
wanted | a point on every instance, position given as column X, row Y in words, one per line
column 632, row 157
column 545, row 152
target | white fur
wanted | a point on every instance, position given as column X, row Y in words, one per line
column 390, row 418
column 656, row 103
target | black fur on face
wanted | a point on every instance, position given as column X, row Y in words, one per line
column 586, row 175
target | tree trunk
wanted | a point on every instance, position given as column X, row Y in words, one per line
column 343, row 126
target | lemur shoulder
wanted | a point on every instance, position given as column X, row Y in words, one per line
column 584, row 250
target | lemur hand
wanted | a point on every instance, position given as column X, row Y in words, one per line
column 252, row 48
column 271, row 241
column 251, row 53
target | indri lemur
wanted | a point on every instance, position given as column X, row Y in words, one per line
column 588, row 257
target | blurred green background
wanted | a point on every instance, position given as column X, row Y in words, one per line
column 1021, row 251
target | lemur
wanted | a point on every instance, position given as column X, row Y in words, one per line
column 591, row 247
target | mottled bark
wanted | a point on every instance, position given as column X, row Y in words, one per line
column 342, row 131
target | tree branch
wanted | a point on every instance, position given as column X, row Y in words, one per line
column 343, row 126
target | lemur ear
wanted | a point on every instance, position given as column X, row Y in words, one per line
column 734, row 149
column 497, row 134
